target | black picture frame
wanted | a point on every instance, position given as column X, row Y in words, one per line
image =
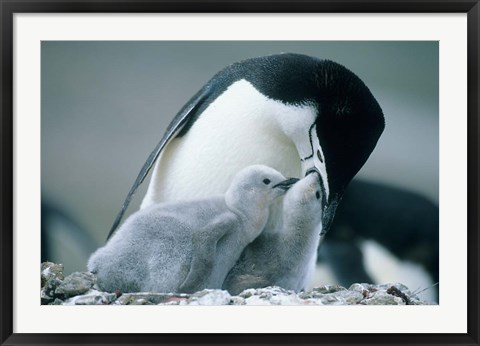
column 9, row 8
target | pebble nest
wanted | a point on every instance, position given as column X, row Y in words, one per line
column 79, row 288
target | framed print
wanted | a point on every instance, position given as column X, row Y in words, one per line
column 89, row 89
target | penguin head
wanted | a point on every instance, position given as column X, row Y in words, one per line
column 348, row 125
column 256, row 186
column 304, row 201
column 346, row 120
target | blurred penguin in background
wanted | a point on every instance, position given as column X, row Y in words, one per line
column 63, row 239
column 384, row 234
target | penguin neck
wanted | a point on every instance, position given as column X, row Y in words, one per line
column 301, row 232
column 253, row 215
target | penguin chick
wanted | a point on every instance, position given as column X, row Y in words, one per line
column 191, row 245
column 284, row 258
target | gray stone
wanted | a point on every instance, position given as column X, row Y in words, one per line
column 271, row 291
column 358, row 287
column 332, row 299
column 286, row 299
column 236, row 300
column 92, row 297
column 44, row 298
column 257, row 300
column 209, row 297
column 310, row 295
column 397, row 285
column 47, row 293
column 328, row 289
column 149, row 297
column 271, row 296
column 350, row 297
column 247, row 293
column 366, row 290
column 383, row 298
column 75, row 284
column 141, row 301
column 58, row 302
column 332, row 295
column 50, row 270
column 174, row 300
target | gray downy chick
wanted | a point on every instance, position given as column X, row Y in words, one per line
column 191, row 245
column 284, row 258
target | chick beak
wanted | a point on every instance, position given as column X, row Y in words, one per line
column 286, row 184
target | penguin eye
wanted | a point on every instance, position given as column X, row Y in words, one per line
column 266, row 181
column 319, row 156
column 317, row 194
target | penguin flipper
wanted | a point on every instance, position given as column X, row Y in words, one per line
column 204, row 255
column 200, row 269
column 186, row 114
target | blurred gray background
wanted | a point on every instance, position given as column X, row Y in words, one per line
column 105, row 105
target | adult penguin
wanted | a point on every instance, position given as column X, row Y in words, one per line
column 292, row 112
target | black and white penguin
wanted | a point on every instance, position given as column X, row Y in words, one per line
column 292, row 112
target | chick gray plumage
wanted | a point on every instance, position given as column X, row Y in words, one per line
column 286, row 257
column 188, row 246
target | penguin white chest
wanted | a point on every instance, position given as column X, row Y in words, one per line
column 240, row 128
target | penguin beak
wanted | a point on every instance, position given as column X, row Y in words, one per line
column 286, row 184
column 329, row 213
column 313, row 170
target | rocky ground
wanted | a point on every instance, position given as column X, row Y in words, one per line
column 79, row 289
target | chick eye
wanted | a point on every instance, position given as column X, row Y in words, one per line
column 317, row 194
column 266, row 181
column 319, row 156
